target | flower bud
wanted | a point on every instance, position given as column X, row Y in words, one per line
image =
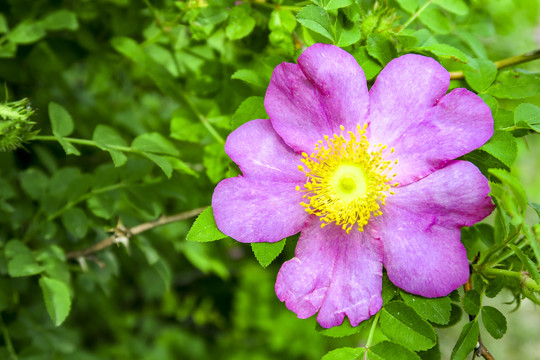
column 15, row 126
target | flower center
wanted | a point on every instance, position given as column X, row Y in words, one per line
column 347, row 179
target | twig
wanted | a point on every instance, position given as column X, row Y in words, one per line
column 121, row 233
column 481, row 350
column 514, row 60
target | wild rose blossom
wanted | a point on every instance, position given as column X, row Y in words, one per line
column 368, row 178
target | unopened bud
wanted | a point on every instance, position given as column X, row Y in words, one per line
column 15, row 126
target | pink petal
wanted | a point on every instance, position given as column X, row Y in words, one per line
column 312, row 99
column 420, row 229
column 334, row 273
column 258, row 211
column 261, row 153
column 404, row 90
column 409, row 111
column 458, row 124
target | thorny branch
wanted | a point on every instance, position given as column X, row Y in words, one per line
column 514, row 60
column 122, row 234
column 480, row 349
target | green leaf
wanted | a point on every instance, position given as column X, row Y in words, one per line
column 106, row 138
column 204, row 229
column 164, row 272
column 75, row 222
column 61, row 20
column 185, row 128
column 267, row 252
column 345, row 353
column 67, row 146
column 466, row 342
column 436, row 310
column 241, row 24
column 3, row 24
column 23, row 265
column 57, row 299
column 502, row 146
column 281, row 19
column 387, row 350
column 389, row 290
column 527, row 262
column 316, row 19
column 216, row 162
column 155, row 143
column 444, row 51
column 518, row 193
column 345, row 329
column 371, row 67
column 457, row 7
column 381, row 48
column 408, row 5
column 169, row 163
column 402, row 324
column 494, row 286
column 336, row 4
column 528, row 116
column 435, row 20
column 250, row 76
column 16, row 247
column 515, row 84
column 494, row 321
column 480, row 73
column 471, row 302
column 250, row 109
column 347, row 32
column 431, row 354
column 61, row 121
column 34, row 182
column 26, row 32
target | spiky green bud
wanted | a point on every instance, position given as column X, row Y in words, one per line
column 15, row 126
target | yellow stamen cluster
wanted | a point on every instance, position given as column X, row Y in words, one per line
column 347, row 179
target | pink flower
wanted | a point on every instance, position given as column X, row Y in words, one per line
column 326, row 165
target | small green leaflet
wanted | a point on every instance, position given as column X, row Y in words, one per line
column 381, row 48
column 457, row 7
column 62, row 125
column 267, row 252
column 241, row 24
column 527, row 116
column 204, row 229
column 387, row 350
column 107, row 139
column 443, row 51
column 23, row 265
column 480, row 73
column 494, row 321
column 75, row 222
column 403, row 325
column 316, row 19
column 281, row 19
column 57, row 299
column 466, row 342
column 502, row 146
column 345, row 329
column 345, row 353
column 515, row 84
column 436, row 310
column 435, row 20
column 471, row 302
column 250, row 109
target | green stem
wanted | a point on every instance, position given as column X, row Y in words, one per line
column 523, row 278
column 85, row 197
column 415, row 15
column 7, row 340
column 514, row 60
column 202, row 119
column 372, row 330
column 85, row 142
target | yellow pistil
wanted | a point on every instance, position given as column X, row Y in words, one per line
column 347, row 179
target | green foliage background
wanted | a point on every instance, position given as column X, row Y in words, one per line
column 133, row 101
